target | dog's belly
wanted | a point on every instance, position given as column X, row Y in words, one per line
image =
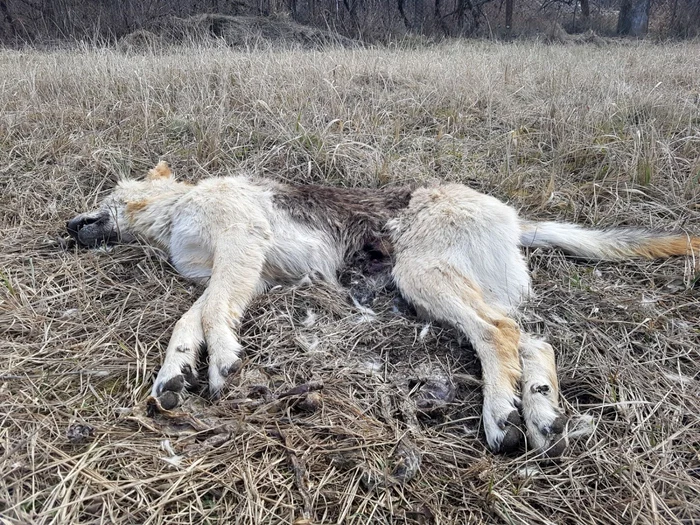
column 295, row 250
column 299, row 250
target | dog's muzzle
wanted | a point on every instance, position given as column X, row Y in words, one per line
column 78, row 223
column 92, row 229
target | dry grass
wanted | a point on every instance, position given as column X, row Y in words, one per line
column 600, row 136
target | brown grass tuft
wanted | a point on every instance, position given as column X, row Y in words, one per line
column 600, row 136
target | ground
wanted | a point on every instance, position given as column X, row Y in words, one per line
column 324, row 422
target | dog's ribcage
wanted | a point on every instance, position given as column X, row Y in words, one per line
column 313, row 230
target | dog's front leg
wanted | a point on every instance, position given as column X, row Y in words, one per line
column 212, row 320
column 179, row 370
column 235, row 280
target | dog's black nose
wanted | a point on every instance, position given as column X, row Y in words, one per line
column 77, row 223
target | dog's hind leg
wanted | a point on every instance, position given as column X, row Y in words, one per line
column 458, row 260
column 544, row 420
column 179, row 370
column 446, row 295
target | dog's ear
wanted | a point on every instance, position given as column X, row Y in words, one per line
column 161, row 171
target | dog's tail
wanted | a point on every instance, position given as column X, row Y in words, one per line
column 611, row 244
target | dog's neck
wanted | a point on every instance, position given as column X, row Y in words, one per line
column 150, row 216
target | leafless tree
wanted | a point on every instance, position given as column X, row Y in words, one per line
column 633, row 19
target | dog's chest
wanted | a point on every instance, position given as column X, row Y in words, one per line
column 191, row 252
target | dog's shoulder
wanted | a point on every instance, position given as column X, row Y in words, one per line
column 236, row 183
column 239, row 191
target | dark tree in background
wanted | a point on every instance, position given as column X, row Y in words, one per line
column 585, row 9
column 509, row 15
column 683, row 17
column 633, row 19
column 7, row 17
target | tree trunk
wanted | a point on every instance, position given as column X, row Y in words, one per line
column 8, row 18
column 634, row 17
column 402, row 10
column 437, row 14
column 351, row 8
column 585, row 9
column 509, row 15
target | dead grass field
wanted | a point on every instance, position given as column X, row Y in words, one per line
column 599, row 136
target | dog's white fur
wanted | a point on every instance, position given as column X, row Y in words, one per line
column 457, row 260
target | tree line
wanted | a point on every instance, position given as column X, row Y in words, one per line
column 40, row 20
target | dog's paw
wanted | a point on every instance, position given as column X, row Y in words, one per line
column 171, row 383
column 503, row 425
column 548, row 439
column 220, row 368
column 545, row 422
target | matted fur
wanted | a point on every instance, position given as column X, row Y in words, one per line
column 454, row 253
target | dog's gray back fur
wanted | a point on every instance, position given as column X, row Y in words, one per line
column 354, row 217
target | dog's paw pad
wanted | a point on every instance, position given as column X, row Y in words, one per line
column 557, row 449
column 556, row 439
column 174, row 384
column 191, row 380
column 541, row 389
column 218, row 373
column 229, row 369
column 169, row 400
column 513, row 434
column 557, row 427
column 550, row 439
column 174, row 377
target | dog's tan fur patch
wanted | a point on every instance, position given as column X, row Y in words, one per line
column 134, row 207
column 664, row 247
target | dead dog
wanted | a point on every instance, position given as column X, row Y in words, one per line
column 454, row 254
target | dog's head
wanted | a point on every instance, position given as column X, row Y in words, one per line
column 111, row 222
